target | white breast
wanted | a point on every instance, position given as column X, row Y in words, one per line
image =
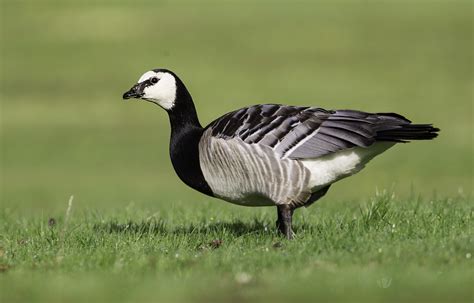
column 251, row 174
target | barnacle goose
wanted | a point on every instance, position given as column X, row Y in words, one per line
column 271, row 154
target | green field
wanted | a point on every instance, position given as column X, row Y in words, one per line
column 135, row 233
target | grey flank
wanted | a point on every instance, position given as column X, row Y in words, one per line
column 251, row 174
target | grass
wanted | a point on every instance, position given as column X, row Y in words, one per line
column 64, row 131
column 389, row 249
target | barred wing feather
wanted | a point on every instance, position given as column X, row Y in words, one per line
column 309, row 132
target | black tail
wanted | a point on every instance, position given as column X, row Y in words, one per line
column 396, row 128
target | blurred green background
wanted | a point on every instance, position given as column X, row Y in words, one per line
column 65, row 130
column 65, row 64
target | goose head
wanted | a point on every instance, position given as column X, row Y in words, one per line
column 158, row 86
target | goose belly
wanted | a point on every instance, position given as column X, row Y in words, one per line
column 252, row 175
column 333, row 167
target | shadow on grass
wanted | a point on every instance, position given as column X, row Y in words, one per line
column 235, row 228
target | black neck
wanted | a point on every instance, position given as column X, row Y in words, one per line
column 186, row 131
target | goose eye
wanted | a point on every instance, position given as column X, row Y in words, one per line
column 154, row 80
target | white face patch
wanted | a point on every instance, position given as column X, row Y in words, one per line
column 163, row 92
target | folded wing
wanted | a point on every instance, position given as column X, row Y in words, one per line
column 309, row 132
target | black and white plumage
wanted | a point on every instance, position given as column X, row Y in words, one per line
column 271, row 154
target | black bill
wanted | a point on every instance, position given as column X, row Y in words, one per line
column 135, row 92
